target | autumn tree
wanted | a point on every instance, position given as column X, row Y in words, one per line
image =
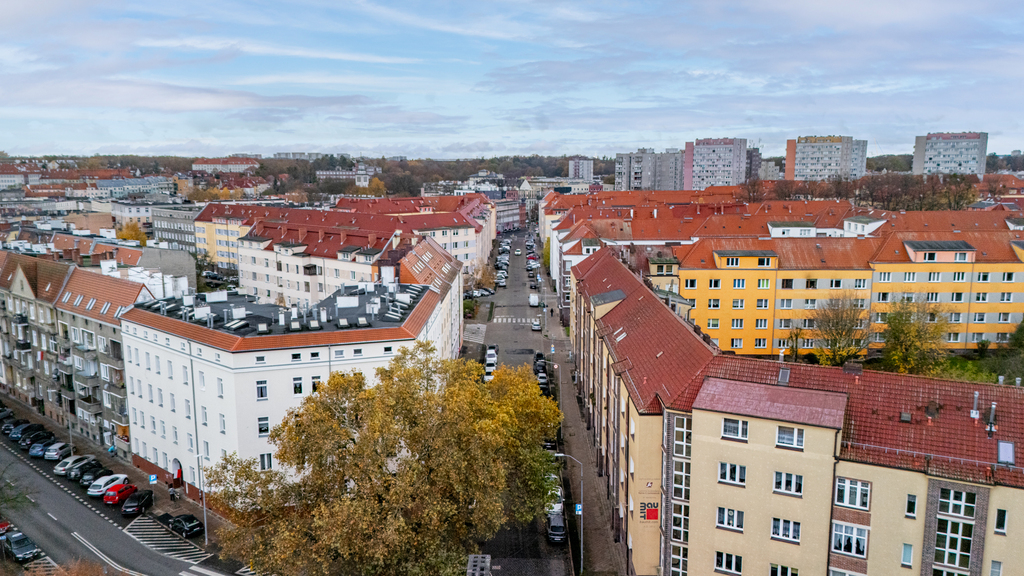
column 840, row 329
column 784, row 189
column 914, row 334
column 376, row 188
column 546, row 256
column 486, row 277
column 404, row 477
column 132, row 231
column 753, row 190
column 959, row 192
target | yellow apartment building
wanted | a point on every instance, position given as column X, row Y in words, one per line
column 784, row 469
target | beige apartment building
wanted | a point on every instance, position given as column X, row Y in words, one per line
column 724, row 464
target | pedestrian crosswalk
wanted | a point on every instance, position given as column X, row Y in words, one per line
column 512, row 320
column 474, row 333
column 156, row 536
column 44, row 566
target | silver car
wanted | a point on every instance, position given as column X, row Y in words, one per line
column 61, row 469
column 57, row 451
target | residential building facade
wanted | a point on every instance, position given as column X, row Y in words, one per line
column 581, row 169
column 715, row 162
column 647, row 170
column 818, row 158
column 231, row 164
column 951, row 153
column 176, row 226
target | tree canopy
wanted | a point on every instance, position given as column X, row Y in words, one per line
column 132, row 231
column 840, row 329
column 400, row 478
column 914, row 335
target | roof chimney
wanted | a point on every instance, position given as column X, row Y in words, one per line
column 372, row 239
column 974, row 411
column 341, row 236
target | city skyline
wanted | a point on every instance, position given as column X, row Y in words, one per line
column 461, row 80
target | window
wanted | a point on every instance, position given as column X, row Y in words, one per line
column 953, row 543
column 885, row 276
column 812, row 284
column 690, row 283
column 929, row 257
column 790, row 437
column 979, row 317
column 733, row 428
column 680, row 522
column 997, row 568
column 960, row 257
column 981, row 297
column 762, row 303
column 732, row 262
column 835, row 283
column 764, row 284
column 910, row 276
column 808, row 323
column 220, row 387
column 760, row 342
column 737, row 323
column 954, row 317
column 728, row 562
column 956, row 503
column 739, row 284
column 339, row 354
column 860, row 283
column 1006, row 297
column 266, row 461
column 358, row 352
column 261, row 359
column 777, row 570
column 933, row 297
column 188, row 409
column 787, row 483
column 787, row 283
column 736, row 343
column 847, row 539
column 730, row 519
column 953, row 337
column 786, row 304
column 297, row 385
column 713, row 304
column 785, row 530
column 681, row 480
column 764, row 262
column 679, row 560
column 732, row 473
column 203, row 411
column 882, row 297
column 223, row 425
column 737, row 304
column 911, row 506
column 261, row 389
column 712, row 323
column 957, row 297
column 761, row 324
column 934, row 276
column 959, row 277
column 714, row 284
column 1000, row 526
column 907, row 559
column 297, row 357
column 852, row 493
column 810, row 304
column 1007, row 276
column 982, row 276
column 170, row 370
column 263, row 426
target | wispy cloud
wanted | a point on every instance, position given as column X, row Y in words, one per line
column 215, row 44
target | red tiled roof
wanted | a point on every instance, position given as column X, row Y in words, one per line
column 116, row 292
column 940, row 439
column 321, row 241
column 793, row 253
column 993, row 246
column 812, row 407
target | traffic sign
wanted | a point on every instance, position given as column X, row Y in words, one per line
column 556, row 366
column 152, row 478
column 552, row 348
column 579, row 509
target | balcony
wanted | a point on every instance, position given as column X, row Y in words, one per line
column 89, row 404
column 86, row 351
column 114, row 362
column 20, row 320
column 86, row 379
column 23, row 345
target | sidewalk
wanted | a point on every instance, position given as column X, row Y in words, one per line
column 601, row 555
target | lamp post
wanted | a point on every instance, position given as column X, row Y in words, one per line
column 580, row 464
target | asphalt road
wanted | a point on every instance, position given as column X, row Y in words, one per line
column 67, row 529
column 519, row 550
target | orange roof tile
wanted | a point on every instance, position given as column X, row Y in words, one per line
column 107, row 295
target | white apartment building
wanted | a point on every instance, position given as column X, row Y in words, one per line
column 581, row 169
column 715, row 162
column 225, row 164
column 951, row 153
column 647, row 170
column 212, row 374
column 120, row 188
column 818, row 158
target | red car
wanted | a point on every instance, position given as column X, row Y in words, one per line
column 531, row 257
column 118, row 493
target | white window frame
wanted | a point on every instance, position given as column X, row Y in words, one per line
column 856, row 493
column 742, row 428
column 797, row 438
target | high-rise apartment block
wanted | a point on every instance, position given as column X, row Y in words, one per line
column 581, row 169
column 753, row 163
column 715, row 162
column 825, row 157
column 951, row 153
column 647, row 170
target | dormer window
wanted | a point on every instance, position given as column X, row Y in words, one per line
column 929, row 257
column 960, row 257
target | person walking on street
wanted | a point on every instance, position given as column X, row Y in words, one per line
column 172, row 493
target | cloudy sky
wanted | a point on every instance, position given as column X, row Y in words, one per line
column 481, row 78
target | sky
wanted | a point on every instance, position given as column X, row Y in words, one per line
column 465, row 79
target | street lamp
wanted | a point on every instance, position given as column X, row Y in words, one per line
column 580, row 503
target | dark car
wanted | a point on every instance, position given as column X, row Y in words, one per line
column 91, row 475
column 8, row 427
column 5, row 413
column 25, row 429
column 556, row 528
column 38, row 450
column 77, row 472
column 137, row 503
column 187, row 525
column 21, row 547
column 28, row 440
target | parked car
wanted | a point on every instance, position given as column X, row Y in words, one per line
column 58, row 451
column 501, row 283
column 538, row 356
column 137, row 503
column 535, row 326
column 27, row 441
column 187, row 525
column 71, row 462
column 531, row 256
column 533, row 285
column 519, row 252
column 6, row 413
column 21, row 547
column 555, row 500
column 492, row 347
column 486, row 292
column 38, row 450
column 92, row 474
column 542, row 379
column 101, row 485
column 24, row 429
column 118, row 493
column 491, row 357
column 77, row 472
column 556, row 528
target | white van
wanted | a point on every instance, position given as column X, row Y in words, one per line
column 534, row 300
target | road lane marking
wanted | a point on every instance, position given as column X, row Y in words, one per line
column 103, row 556
column 52, row 516
column 30, row 499
column 205, row 571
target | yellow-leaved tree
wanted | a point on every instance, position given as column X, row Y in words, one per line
column 402, row 478
column 376, row 188
column 914, row 333
column 132, row 231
